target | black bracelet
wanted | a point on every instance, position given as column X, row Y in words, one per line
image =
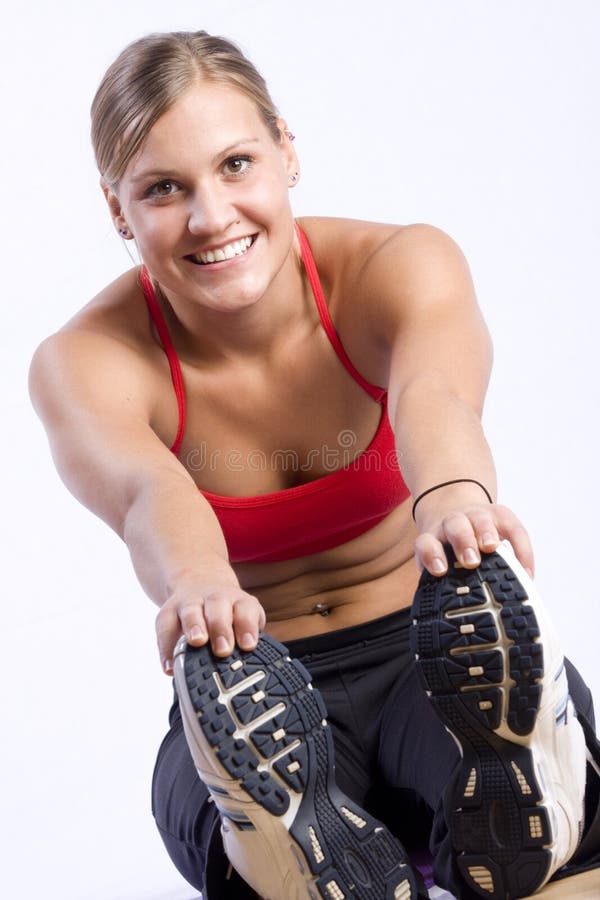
column 445, row 484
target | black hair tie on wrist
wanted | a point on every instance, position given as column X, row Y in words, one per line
column 445, row 484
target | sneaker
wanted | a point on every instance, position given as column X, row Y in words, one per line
column 493, row 669
column 259, row 739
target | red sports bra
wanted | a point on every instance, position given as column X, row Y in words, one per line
column 310, row 517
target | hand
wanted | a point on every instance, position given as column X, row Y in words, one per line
column 469, row 529
column 220, row 612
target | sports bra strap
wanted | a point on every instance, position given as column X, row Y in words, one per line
column 378, row 393
column 165, row 338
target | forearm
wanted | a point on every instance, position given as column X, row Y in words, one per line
column 174, row 538
column 180, row 557
column 439, row 437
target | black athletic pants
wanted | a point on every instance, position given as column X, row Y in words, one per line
column 393, row 755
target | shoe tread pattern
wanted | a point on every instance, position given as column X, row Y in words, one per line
column 473, row 635
column 357, row 857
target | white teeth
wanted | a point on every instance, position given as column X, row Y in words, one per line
column 237, row 248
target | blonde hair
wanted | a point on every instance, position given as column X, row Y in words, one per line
column 147, row 78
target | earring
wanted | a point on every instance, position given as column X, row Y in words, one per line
column 290, row 136
column 123, row 232
column 294, row 178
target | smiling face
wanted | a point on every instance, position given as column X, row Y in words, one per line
column 207, row 200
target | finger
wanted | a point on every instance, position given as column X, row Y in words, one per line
column 248, row 618
column 512, row 529
column 218, row 614
column 459, row 533
column 168, row 631
column 484, row 528
column 429, row 554
column 193, row 624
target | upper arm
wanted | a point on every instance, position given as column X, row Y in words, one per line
column 423, row 316
column 92, row 394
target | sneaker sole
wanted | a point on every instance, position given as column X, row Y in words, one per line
column 476, row 642
column 257, row 722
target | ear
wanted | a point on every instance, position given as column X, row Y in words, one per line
column 116, row 212
column 288, row 152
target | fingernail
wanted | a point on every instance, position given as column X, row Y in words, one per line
column 196, row 633
column 470, row 556
column 168, row 666
column 529, row 572
column 438, row 566
column 489, row 540
column 248, row 640
column 221, row 644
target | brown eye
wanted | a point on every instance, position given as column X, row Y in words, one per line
column 162, row 189
column 237, row 165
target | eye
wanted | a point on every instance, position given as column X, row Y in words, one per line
column 237, row 165
column 162, row 189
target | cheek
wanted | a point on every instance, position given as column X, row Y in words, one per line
column 270, row 199
column 157, row 229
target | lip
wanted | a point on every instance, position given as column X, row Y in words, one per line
column 224, row 262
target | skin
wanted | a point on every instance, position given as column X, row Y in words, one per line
column 257, row 365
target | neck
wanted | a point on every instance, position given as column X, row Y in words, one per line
column 253, row 333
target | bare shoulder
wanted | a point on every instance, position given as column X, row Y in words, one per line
column 118, row 311
column 363, row 237
column 342, row 244
column 381, row 278
column 104, row 350
column 362, row 261
column 415, row 256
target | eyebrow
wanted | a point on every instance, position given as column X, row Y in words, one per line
column 161, row 173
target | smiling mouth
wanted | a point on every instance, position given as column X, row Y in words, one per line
column 229, row 251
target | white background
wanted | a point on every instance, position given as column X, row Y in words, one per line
column 477, row 116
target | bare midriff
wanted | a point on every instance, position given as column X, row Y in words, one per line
column 372, row 576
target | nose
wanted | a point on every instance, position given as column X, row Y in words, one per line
column 211, row 210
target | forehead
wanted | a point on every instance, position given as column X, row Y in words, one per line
column 207, row 118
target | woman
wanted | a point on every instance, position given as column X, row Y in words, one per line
column 261, row 378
